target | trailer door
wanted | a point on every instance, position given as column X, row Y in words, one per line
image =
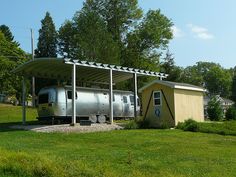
column 69, row 102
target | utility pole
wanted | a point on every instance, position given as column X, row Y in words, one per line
column 33, row 78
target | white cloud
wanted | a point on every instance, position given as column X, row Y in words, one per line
column 177, row 32
column 200, row 32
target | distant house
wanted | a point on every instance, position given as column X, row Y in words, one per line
column 225, row 103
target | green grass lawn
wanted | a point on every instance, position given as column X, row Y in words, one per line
column 9, row 113
column 116, row 153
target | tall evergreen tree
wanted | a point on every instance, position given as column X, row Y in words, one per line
column 47, row 41
column 8, row 34
column 47, row 47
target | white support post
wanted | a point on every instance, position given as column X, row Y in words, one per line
column 111, row 97
column 23, row 101
column 33, row 78
column 73, row 95
column 135, row 94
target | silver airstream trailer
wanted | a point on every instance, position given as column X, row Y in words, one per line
column 56, row 102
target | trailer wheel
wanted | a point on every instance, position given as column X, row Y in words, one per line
column 93, row 118
column 101, row 119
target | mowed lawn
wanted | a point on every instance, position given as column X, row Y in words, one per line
column 116, row 153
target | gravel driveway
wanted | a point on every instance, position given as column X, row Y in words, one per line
column 67, row 128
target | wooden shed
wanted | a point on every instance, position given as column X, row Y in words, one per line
column 166, row 103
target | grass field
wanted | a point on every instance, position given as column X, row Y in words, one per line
column 117, row 153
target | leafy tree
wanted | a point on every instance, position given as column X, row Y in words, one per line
column 176, row 74
column 109, row 31
column 218, row 81
column 231, row 113
column 168, row 63
column 119, row 15
column 153, row 33
column 234, row 88
column 214, row 109
column 196, row 74
column 66, row 40
column 96, row 43
column 47, row 42
column 168, row 66
column 212, row 76
column 10, row 57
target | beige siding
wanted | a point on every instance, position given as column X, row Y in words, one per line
column 188, row 104
column 165, row 116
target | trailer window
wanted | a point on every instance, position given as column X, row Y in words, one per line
column 157, row 98
column 125, row 99
column 69, row 95
column 43, row 98
column 131, row 100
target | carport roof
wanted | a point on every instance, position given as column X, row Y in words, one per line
column 58, row 68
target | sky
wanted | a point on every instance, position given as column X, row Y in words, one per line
column 204, row 30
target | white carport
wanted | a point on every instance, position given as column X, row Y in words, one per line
column 75, row 70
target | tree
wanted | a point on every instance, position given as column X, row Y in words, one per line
column 10, row 57
column 196, row 74
column 175, row 73
column 168, row 63
column 47, row 47
column 153, row 34
column 231, row 113
column 8, row 34
column 119, row 15
column 234, row 87
column 214, row 109
column 47, row 42
column 112, row 31
column 218, row 81
column 66, row 40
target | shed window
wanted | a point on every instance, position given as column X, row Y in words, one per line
column 157, row 98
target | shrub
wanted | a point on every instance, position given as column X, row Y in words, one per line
column 137, row 123
column 214, row 110
column 188, row 125
column 143, row 123
column 231, row 113
column 132, row 125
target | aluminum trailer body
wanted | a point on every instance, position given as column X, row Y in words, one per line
column 56, row 102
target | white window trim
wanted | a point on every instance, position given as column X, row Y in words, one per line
column 154, row 98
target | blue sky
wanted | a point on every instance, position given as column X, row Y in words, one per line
column 205, row 30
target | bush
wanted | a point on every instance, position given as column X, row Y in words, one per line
column 214, row 109
column 188, row 125
column 231, row 113
column 137, row 123
column 132, row 125
column 222, row 128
